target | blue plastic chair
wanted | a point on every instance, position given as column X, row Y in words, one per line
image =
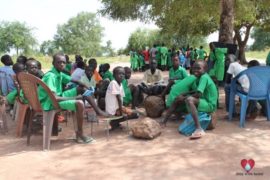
column 259, row 79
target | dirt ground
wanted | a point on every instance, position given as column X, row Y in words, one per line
column 170, row 156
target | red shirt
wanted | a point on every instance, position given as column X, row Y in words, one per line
column 146, row 55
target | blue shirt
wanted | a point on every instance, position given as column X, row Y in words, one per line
column 6, row 80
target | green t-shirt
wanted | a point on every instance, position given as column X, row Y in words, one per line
column 11, row 96
column 108, row 75
column 201, row 54
column 208, row 89
column 178, row 74
column 169, row 59
column 268, row 59
column 128, row 97
column 179, row 88
column 55, row 81
column 68, row 67
column 219, row 67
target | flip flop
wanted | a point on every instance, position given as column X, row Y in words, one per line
column 112, row 118
column 84, row 139
column 198, row 133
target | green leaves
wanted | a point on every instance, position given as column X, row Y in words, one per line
column 262, row 39
column 80, row 35
column 16, row 35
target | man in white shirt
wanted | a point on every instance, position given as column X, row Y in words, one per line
column 152, row 80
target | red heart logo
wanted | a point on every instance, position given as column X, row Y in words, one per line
column 247, row 165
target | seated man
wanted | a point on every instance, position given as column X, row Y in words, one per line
column 152, row 80
column 68, row 100
column 202, row 97
column 176, row 74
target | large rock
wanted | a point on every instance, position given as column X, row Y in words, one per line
column 154, row 106
column 146, row 129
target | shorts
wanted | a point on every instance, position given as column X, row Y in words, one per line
column 12, row 96
column 204, row 106
column 69, row 104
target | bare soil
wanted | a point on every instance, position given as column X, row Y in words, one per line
column 170, row 156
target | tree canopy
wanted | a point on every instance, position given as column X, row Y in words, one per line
column 262, row 39
column 80, row 35
column 48, row 47
column 192, row 17
column 16, row 35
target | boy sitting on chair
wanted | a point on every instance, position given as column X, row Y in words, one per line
column 202, row 98
column 55, row 79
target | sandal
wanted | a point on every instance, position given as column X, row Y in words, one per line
column 84, row 139
column 198, row 133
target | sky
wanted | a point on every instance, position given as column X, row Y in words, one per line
column 45, row 15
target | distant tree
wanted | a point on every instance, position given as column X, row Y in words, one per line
column 48, row 47
column 17, row 36
column 80, row 35
column 122, row 51
column 261, row 39
column 108, row 50
column 141, row 38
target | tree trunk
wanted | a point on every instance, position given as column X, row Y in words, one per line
column 226, row 21
column 241, row 54
column 242, row 43
column 17, row 51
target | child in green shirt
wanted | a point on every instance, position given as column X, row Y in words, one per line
column 176, row 74
column 107, row 73
column 55, row 79
column 132, row 92
column 202, row 97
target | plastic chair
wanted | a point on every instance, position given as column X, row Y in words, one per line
column 21, row 113
column 3, row 118
column 259, row 79
column 29, row 84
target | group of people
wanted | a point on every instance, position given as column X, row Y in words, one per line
column 140, row 59
column 72, row 85
column 110, row 93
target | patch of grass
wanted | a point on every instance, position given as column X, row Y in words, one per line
column 46, row 61
column 258, row 55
